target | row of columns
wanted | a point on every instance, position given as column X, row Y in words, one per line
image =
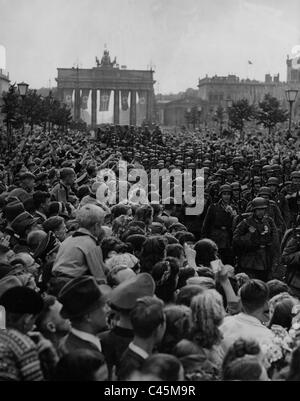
column 133, row 103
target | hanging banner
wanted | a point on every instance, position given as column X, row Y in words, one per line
column 84, row 98
column 142, row 97
column 104, row 99
column 124, row 99
column 68, row 97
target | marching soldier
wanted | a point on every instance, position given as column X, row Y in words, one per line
column 294, row 198
column 257, row 242
column 279, row 199
column 218, row 221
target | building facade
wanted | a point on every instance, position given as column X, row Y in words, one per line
column 4, row 86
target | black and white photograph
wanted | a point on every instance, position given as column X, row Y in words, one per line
column 149, row 193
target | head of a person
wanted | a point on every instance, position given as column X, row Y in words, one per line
column 165, row 275
column 144, row 214
column 153, row 251
column 135, row 243
column 246, row 368
column 67, row 175
column 111, row 246
column 41, row 201
column 24, row 224
column 148, row 319
column 163, row 366
column 276, row 287
column 207, row 315
column 174, row 228
column 280, row 310
column 177, row 251
column 185, row 237
column 81, row 365
column 57, row 225
column 240, row 348
column 119, row 210
column 259, row 206
column 34, row 238
column 119, row 274
column 84, row 304
column 178, row 324
column 50, row 322
column 254, row 297
column 91, row 218
column 187, row 293
column 206, row 252
column 22, row 306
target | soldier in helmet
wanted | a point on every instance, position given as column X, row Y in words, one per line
column 272, row 210
column 238, row 200
column 294, row 199
column 218, row 221
column 291, row 258
column 279, row 199
column 257, row 243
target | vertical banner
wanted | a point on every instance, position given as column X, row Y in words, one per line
column 84, row 98
column 68, row 97
column 104, row 99
column 124, row 100
column 142, row 97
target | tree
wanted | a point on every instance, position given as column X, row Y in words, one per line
column 270, row 113
column 240, row 112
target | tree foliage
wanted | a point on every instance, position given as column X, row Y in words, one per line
column 240, row 112
column 33, row 110
column 269, row 113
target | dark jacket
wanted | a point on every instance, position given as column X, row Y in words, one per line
column 217, row 225
column 291, row 257
column 258, row 250
column 115, row 343
column 129, row 363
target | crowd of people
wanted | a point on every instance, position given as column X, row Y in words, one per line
column 133, row 288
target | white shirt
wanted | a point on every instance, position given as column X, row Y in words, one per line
column 244, row 326
column 87, row 337
column 142, row 353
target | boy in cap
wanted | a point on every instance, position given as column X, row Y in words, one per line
column 149, row 325
column 122, row 300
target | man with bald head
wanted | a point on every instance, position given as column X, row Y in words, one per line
column 80, row 254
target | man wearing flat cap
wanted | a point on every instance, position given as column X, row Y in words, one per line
column 85, row 305
column 62, row 191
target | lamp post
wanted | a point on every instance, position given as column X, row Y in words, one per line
column 188, row 111
column 23, row 89
column 291, row 95
column 229, row 103
column 199, row 109
column 51, row 100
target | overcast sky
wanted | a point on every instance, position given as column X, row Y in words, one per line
column 183, row 39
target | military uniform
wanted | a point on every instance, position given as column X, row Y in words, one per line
column 217, row 226
column 257, row 244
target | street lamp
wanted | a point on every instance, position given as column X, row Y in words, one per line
column 23, row 88
column 291, row 95
column 199, row 109
column 188, row 110
column 51, row 100
column 229, row 104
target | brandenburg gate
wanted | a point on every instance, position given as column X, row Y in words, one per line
column 79, row 84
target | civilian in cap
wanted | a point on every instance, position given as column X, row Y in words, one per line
column 22, row 226
column 58, row 209
column 62, row 191
column 122, row 300
column 149, row 324
column 56, row 224
column 18, row 352
column 85, row 305
column 28, row 181
column 42, row 182
column 41, row 202
column 80, row 254
column 20, row 194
